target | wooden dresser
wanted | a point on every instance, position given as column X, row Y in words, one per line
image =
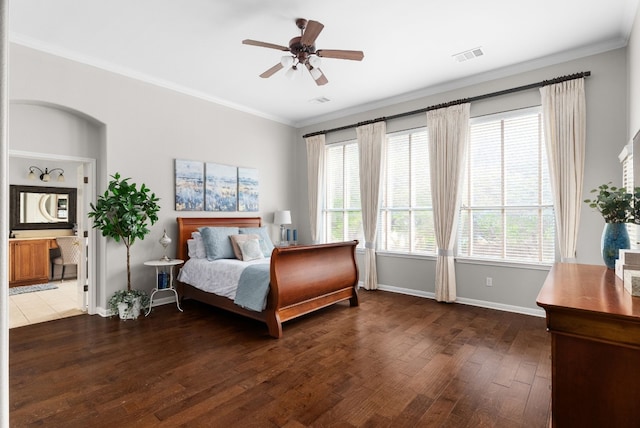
column 595, row 347
column 29, row 261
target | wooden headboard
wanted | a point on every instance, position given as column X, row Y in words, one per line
column 188, row 225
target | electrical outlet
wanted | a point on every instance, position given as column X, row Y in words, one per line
column 489, row 281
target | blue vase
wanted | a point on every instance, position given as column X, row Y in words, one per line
column 614, row 237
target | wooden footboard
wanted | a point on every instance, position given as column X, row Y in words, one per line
column 307, row 278
column 303, row 278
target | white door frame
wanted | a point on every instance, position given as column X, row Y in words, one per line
column 87, row 194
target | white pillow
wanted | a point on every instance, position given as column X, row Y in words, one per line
column 240, row 238
column 199, row 251
column 251, row 250
column 263, row 234
column 191, row 248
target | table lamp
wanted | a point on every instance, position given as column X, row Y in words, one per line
column 282, row 218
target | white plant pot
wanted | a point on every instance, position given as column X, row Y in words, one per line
column 133, row 313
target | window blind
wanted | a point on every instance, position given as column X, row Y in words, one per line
column 507, row 209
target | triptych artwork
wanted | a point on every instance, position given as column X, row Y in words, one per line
column 206, row 186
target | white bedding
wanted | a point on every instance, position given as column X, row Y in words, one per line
column 219, row 276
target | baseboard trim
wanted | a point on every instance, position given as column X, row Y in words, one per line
column 465, row 301
column 408, row 291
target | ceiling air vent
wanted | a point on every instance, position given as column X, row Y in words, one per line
column 319, row 100
column 467, row 55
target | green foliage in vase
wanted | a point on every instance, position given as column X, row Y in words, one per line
column 615, row 204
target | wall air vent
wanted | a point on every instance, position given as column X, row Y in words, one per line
column 467, row 55
column 319, row 100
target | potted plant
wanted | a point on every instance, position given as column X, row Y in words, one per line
column 123, row 213
column 617, row 207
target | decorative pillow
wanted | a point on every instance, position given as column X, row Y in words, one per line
column 265, row 240
column 251, row 250
column 235, row 241
column 200, row 252
column 217, row 244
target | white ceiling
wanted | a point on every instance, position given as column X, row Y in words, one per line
column 194, row 46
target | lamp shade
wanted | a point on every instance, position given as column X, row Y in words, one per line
column 292, row 72
column 282, row 217
column 314, row 61
column 286, row 61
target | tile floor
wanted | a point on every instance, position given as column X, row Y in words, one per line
column 47, row 305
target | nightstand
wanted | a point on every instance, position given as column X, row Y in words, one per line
column 164, row 279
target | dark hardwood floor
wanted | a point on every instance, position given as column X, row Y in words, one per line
column 395, row 361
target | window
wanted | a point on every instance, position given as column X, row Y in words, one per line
column 406, row 215
column 626, row 158
column 342, row 212
column 507, row 207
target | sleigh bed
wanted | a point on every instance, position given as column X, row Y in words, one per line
column 303, row 278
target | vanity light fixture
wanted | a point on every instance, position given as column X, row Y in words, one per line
column 46, row 174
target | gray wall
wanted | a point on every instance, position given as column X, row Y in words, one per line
column 515, row 287
column 146, row 127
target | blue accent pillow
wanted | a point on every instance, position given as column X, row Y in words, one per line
column 216, row 241
column 265, row 240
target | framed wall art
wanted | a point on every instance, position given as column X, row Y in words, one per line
column 189, row 185
column 221, row 187
column 248, row 196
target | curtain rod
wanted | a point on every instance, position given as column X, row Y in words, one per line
column 460, row 101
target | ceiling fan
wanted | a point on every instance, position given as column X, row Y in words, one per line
column 303, row 53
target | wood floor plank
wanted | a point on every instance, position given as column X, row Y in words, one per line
column 394, row 361
column 538, row 403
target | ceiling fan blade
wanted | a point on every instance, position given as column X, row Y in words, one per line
column 340, row 54
column 273, row 70
column 322, row 80
column 311, row 33
column 264, row 45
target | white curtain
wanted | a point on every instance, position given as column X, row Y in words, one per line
column 448, row 142
column 564, row 116
column 372, row 140
column 315, row 179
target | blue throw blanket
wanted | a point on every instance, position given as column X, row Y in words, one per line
column 253, row 287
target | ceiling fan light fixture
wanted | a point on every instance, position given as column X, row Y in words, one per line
column 286, row 61
column 304, row 53
column 291, row 73
column 315, row 61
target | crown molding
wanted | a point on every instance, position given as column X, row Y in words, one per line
column 31, row 43
column 471, row 80
column 503, row 72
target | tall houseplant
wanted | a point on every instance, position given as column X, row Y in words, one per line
column 618, row 207
column 123, row 213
